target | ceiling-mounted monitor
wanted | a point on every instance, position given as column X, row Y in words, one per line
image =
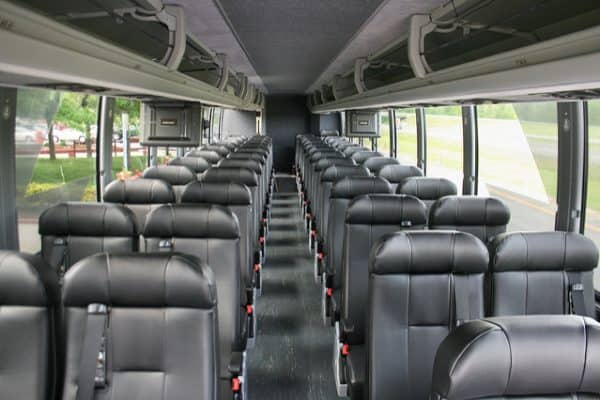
column 175, row 124
column 362, row 124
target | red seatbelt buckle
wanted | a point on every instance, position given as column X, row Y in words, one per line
column 236, row 385
column 320, row 256
column 309, row 216
column 261, row 239
column 256, row 267
column 249, row 309
column 305, row 202
column 264, row 221
column 329, row 292
column 345, row 351
column 313, row 233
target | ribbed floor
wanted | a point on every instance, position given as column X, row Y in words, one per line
column 292, row 356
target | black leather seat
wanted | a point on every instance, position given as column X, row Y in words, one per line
column 29, row 323
column 484, row 217
column 421, row 286
column 176, row 175
column 161, row 310
column 342, row 193
column 71, row 231
column 140, row 196
column 211, row 156
column 368, row 218
column 426, row 189
column 375, row 164
column 211, row 233
column 217, row 148
column 541, row 273
column 362, row 156
column 354, row 148
column 197, row 164
column 396, row 173
column 260, row 172
column 535, row 357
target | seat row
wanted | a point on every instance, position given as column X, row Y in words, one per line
column 214, row 221
column 528, row 273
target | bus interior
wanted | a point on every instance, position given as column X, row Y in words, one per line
column 299, row 199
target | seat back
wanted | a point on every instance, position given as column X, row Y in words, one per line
column 421, row 285
column 223, row 151
column 426, row 189
column 375, row 164
column 196, row 164
column 176, row 175
column 533, row 358
column 211, row 233
column 140, row 196
column 162, row 314
column 395, row 173
column 484, row 217
column 74, row 230
column 368, row 218
column 30, row 304
column 342, row 193
column 211, row 156
column 350, row 150
column 362, row 156
column 258, row 169
column 536, row 273
column 315, row 189
column 238, row 199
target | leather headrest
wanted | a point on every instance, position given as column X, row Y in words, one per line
column 428, row 252
column 224, row 193
column 374, row 164
column 396, row 173
column 238, row 163
column 350, row 187
column 336, row 172
column 222, row 150
column 139, row 191
column 386, row 209
column 87, row 219
column 528, row 356
column 248, row 156
column 211, row 156
column 253, row 150
column 196, row 164
column 426, row 188
column 542, row 251
column 244, row 176
column 199, row 221
column 469, row 210
column 329, row 153
column 324, row 163
column 176, row 175
column 140, row 280
column 361, row 156
column 26, row 280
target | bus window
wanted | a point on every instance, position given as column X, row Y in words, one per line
column 216, row 124
column 127, row 120
column 518, row 154
column 383, row 142
column 445, row 143
column 55, row 137
column 592, row 214
column 406, row 135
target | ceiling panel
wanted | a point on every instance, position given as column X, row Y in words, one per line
column 291, row 42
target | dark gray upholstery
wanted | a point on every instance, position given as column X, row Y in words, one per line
column 375, row 164
column 317, row 170
column 84, row 229
column 362, row 156
column 535, row 357
column 427, row 189
column 259, row 157
column 196, row 164
column 258, row 169
column 139, row 195
column 211, row 233
column 163, row 325
column 350, row 150
column 416, row 280
column 484, row 217
column 176, row 175
column 532, row 272
column 211, row 156
column 239, row 200
column 223, row 151
column 368, row 218
column 342, row 193
column 396, row 173
column 29, row 320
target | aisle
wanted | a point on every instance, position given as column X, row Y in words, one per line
column 292, row 357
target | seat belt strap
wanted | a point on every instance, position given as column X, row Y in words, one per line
column 92, row 364
column 58, row 255
column 462, row 305
column 576, row 295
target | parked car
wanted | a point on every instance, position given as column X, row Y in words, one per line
column 68, row 135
